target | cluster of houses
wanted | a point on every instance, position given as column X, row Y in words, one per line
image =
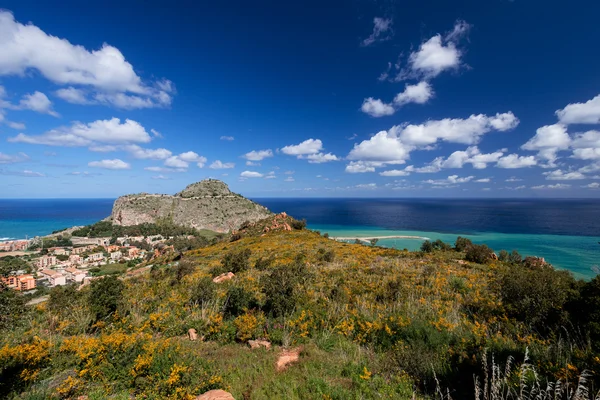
column 14, row 245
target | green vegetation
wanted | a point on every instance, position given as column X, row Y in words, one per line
column 371, row 322
column 9, row 264
column 167, row 229
column 109, row 269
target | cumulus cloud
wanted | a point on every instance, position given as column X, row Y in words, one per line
column 320, row 158
column 356, row 167
column 586, row 146
column 258, row 155
column 548, row 141
column 221, row 165
column 72, row 95
column 376, row 108
column 557, row 186
column 289, row 179
column 79, row 134
column 227, row 138
column 110, row 164
column 105, row 71
column 37, row 102
column 482, row 180
column 395, row 172
column 472, row 155
column 451, row 180
column 12, row 159
column 513, row 161
column 251, row 174
column 394, row 146
column 581, row 113
column 382, row 30
column 182, row 160
column 593, row 185
column 152, row 154
column 309, row 146
column 559, row 175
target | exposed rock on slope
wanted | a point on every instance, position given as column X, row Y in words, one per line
column 208, row 204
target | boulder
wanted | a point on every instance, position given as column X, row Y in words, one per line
column 256, row 344
column 217, row 394
column 224, row 277
column 287, row 357
column 193, row 335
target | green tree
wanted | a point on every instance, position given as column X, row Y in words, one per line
column 203, row 292
column 480, row 254
column 105, row 296
column 374, row 241
column 427, row 247
column 282, row 288
column 462, row 244
column 236, row 261
column 12, row 307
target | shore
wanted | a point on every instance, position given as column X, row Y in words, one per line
column 369, row 238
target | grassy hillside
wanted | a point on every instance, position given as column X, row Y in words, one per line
column 370, row 322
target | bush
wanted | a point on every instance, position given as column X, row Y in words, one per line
column 462, row 244
column 298, row 225
column 427, row 247
column 325, row 255
column 203, row 292
column 106, row 296
column 236, row 261
column 479, row 254
column 282, row 287
column 12, row 307
column 183, row 268
column 239, row 300
column 537, row 296
column 586, row 310
column 263, row 263
column 440, row 245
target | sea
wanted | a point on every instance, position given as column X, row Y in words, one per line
column 565, row 232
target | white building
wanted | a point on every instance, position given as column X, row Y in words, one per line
column 75, row 275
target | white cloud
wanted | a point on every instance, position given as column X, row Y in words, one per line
column 16, row 125
column 251, row 174
column 309, row 146
column 164, row 169
column 160, row 177
column 220, row 165
column 182, row 160
column 451, row 180
column 252, row 164
column 513, row 179
column 557, row 186
column 548, row 141
column 433, row 57
column 109, row 164
column 79, row 134
column 419, row 93
column 227, row 138
column 153, row 154
column 482, row 180
column 289, row 172
column 472, row 155
column 27, row 47
column 289, row 179
column 461, row 29
column 26, row 173
column 466, row 131
column 270, row 175
column 376, row 108
column 559, row 175
column 384, row 147
column 381, row 26
column 369, row 186
column 258, row 155
column 590, row 168
column 394, row 172
column 513, row 161
column 156, row 133
column 72, row 95
column 320, row 158
column 11, row 159
column 37, row 102
column 593, row 185
column 581, row 113
column 587, row 145
column 356, row 167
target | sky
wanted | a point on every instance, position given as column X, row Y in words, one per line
column 351, row 98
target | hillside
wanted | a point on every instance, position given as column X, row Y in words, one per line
column 365, row 323
column 208, row 205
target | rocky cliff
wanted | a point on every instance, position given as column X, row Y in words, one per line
column 208, row 204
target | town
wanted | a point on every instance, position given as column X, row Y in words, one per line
column 77, row 263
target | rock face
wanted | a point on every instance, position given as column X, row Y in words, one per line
column 208, row 204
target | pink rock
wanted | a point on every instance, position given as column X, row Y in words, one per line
column 256, row 344
column 287, row 357
column 224, row 277
column 217, row 394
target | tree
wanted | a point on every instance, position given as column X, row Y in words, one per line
column 183, row 268
column 462, row 244
column 427, row 247
column 105, row 297
column 203, row 292
column 282, row 287
column 12, row 307
column 374, row 241
column 236, row 261
column 479, row 254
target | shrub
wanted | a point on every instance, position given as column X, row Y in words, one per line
column 325, row 255
column 62, row 298
column 480, row 254
column 586, row 310
column 203, row 292
column 440, row 245
column 12, row 307
column 236, row 261
column 239, row 300
column 462, row 244
column 105, row 297
column 536, row 296
column 298, row 225
column 282, row 287
column 427, row 247
column 263, row 263
column 374, row 242
column 183, row 268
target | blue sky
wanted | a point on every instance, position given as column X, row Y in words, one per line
column 350, row 99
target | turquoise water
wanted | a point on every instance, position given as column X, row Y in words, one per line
column 575, row 253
